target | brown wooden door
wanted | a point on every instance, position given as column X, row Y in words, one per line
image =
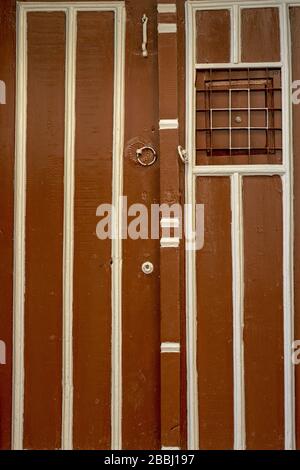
column 86, row 346
column 240, row 312
column 196, row 354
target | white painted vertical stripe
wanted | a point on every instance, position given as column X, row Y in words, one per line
column 235, row 34
column 288, row 233
column 238, row 311
column 68, row 255
column 19, row 233
column 116, row 383
column 191, row 313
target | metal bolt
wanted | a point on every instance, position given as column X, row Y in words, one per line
column 147, row 267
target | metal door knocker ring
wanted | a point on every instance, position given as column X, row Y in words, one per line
column 139, row 154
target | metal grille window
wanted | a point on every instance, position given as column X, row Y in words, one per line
column 238, row 116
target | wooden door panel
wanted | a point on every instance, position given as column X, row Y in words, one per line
column 141, row 302
column 215, row 318
column 92, row 257
column 72, row 400
column 260, row 35
column 295, row 43
column 213, row 36
column 7, row 141
column 44, row 229
column 243, row 272
column 263, row 312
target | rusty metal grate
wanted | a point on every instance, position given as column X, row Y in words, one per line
column 239, row 113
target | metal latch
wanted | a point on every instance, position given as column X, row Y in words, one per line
column 182, row 154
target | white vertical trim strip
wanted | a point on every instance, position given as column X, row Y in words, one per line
column 289, row 380
column 238, row 311
column 235, row 34
column 191, row 314
column 288, row 234
column 232, row 35
column 68, row 254
column 19, row 233
column 116, row 383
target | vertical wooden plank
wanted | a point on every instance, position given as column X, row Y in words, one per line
column 92, row 257
column 44, row 230
column 169, row 256
column 169, row 297
column 263, row 312
column 170, row 387
column 213, row 31
column 260, row 36
column 7, row 126
column 214, row 316
column 141, row 310
column 295, row 44
column 181, row 133
column 168, row 87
